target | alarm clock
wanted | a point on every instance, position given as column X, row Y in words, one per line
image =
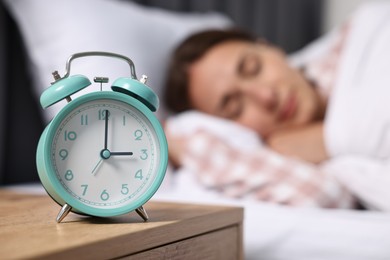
column 105, row 153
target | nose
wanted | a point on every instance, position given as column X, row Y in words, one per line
column 263, row 95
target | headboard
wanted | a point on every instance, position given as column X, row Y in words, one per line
column 21, row 116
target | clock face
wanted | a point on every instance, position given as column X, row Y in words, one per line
column 106, row 154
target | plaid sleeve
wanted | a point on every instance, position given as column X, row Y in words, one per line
column 262, row 175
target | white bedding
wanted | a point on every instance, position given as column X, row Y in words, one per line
column 279, row 232
column 359, row 109
column 273, row 231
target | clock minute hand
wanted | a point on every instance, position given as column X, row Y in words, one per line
column 105, row 129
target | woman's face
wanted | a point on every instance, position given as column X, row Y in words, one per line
column 252, row 84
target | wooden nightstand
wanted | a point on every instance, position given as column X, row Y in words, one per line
column 174, row 231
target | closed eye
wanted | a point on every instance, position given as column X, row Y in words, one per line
column 249, row 66
column 232, row 105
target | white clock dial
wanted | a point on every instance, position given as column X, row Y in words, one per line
column 105, row 162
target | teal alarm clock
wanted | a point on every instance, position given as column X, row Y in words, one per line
column 105, row 153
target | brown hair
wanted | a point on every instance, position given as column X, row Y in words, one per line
column 176, row 95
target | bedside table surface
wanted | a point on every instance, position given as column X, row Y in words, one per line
column 28, row 228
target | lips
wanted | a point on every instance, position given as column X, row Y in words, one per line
column 289, row 107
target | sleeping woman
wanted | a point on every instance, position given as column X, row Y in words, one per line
column 233, row 75
column 321, row 113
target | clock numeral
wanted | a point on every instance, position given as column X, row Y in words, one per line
column 102, row 114
column 84, row 120
column 69, row 175
column 138, row 135
column 104, row 195
column 85, row 187
column 71, row 135
column 138, row 174
column 124, row 189
column 144, row 154
column 63, row 153
column 124, row 120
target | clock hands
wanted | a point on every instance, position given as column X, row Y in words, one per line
column 106, row 153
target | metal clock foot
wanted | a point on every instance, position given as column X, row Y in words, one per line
column 63, row 212
column 142, row 213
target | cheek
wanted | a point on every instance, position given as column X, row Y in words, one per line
column 308, row 103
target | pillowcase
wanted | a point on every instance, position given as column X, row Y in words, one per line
column 54, row 30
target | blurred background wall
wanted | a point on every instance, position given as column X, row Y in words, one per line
column 291, row 24
column 287, row 23
column 336, row 11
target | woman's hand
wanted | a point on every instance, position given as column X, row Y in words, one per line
column 306, row 143
column 176, row 147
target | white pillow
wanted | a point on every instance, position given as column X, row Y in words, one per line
column 54, row 30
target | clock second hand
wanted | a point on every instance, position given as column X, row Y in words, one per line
column 97, row 166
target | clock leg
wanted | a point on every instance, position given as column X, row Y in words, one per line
column 63, row 212
column 142, row 212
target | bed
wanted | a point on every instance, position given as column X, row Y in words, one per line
column 271, row 231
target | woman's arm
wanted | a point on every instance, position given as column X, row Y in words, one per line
column 305, row 143
column 261, row 174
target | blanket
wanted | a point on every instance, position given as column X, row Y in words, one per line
column 357, row 131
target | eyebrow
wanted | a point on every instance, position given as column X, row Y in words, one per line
column 241, row 62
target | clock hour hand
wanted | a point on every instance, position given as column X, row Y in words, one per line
column 120, row 153
column 106, row 154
